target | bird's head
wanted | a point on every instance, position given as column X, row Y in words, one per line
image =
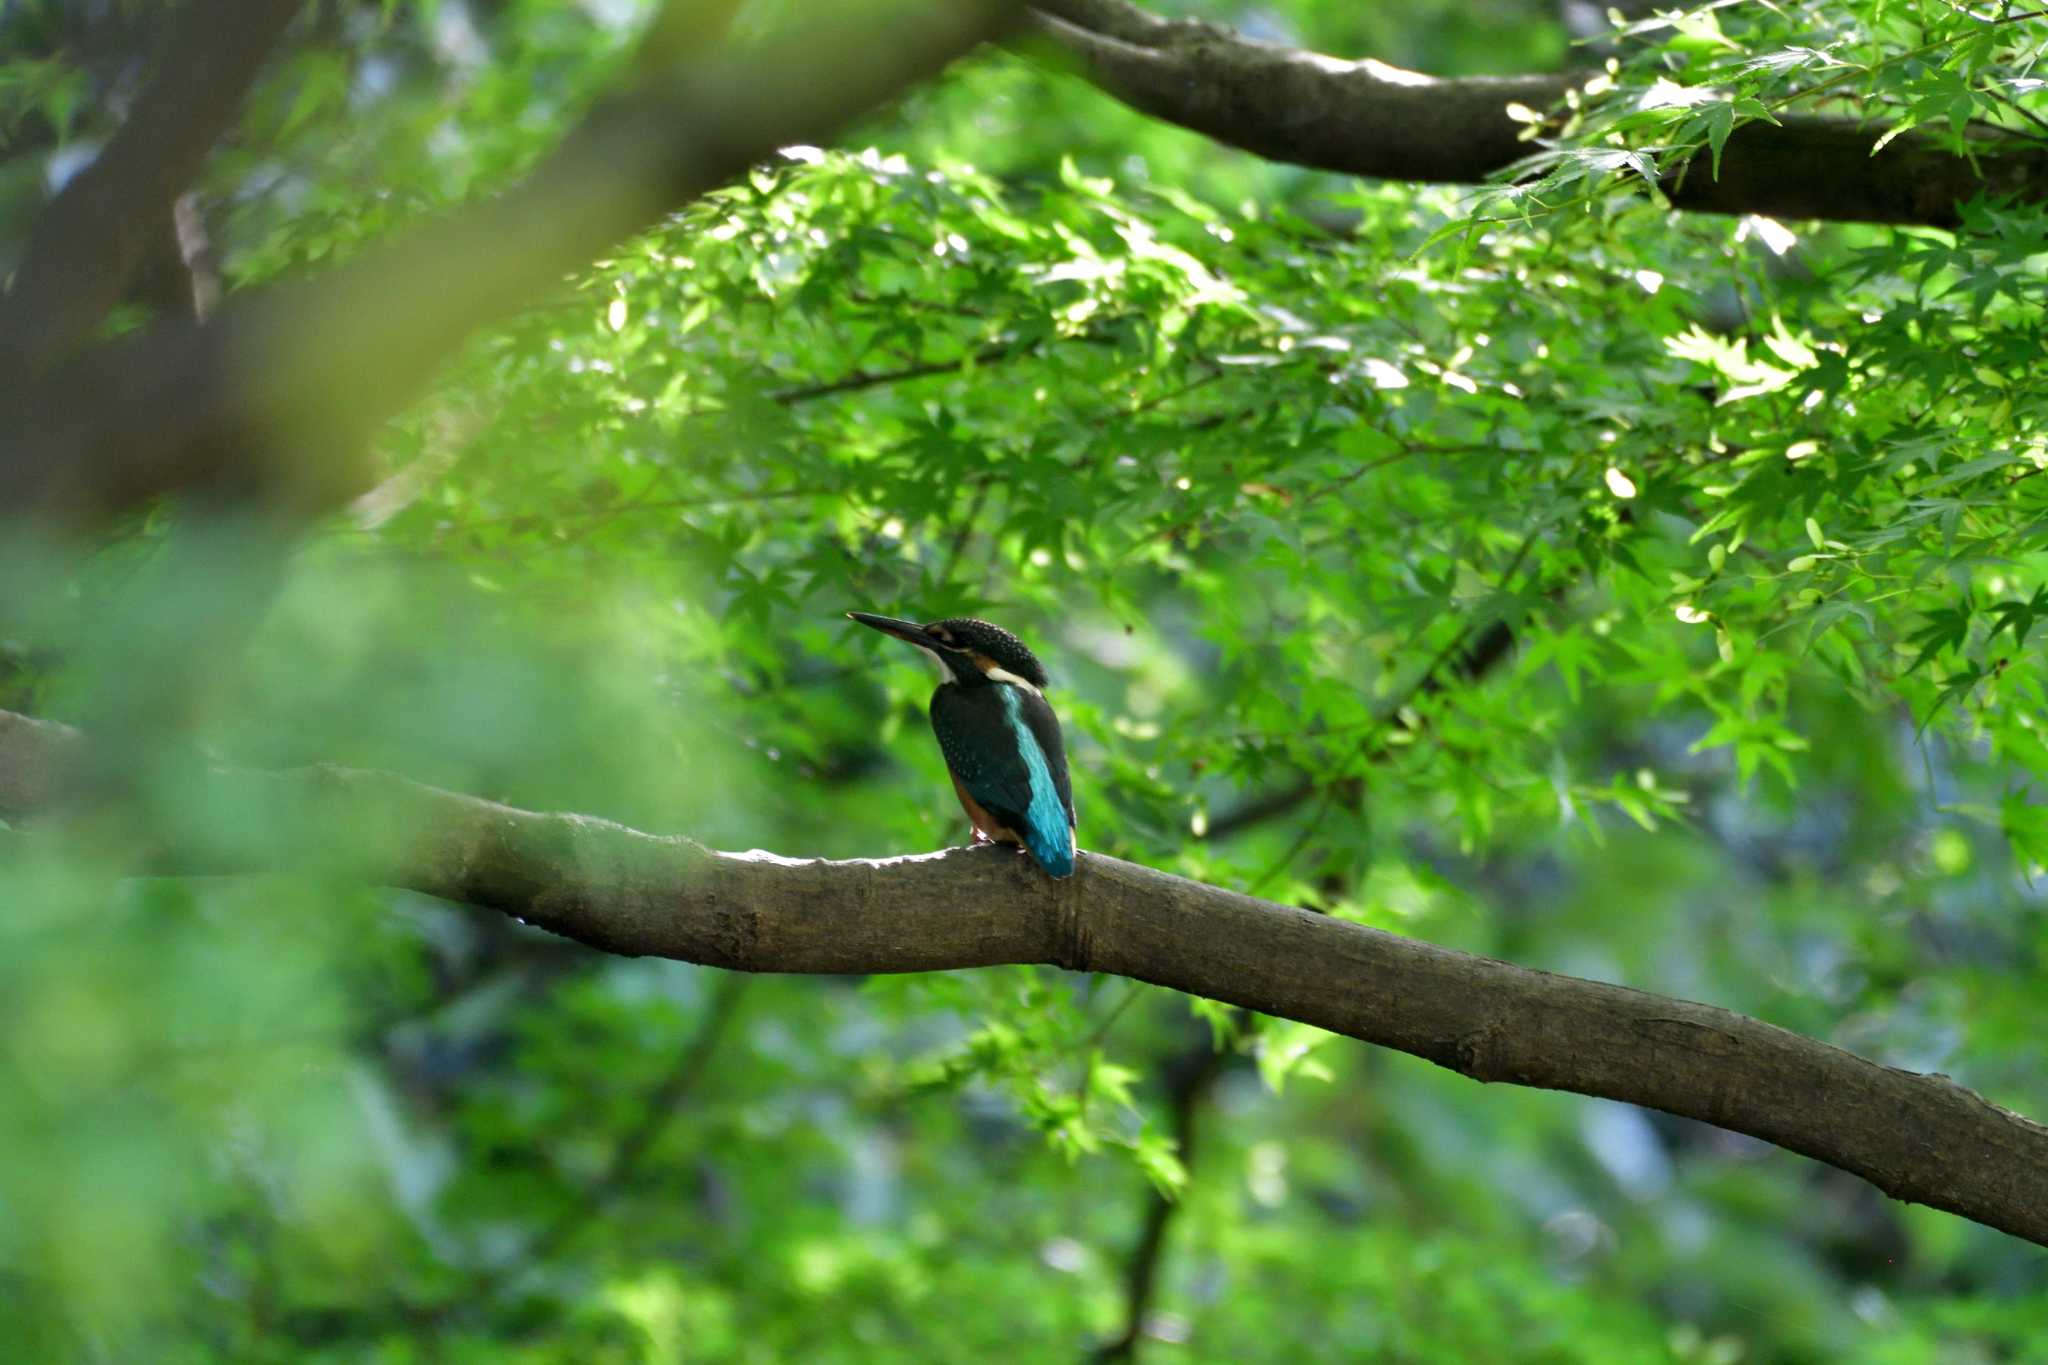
column 967, row 650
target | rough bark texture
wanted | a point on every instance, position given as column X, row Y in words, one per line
column 1371, row 119
column 1919, row 1138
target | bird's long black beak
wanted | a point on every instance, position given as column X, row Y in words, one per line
column 889, row 625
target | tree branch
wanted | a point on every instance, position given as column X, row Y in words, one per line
column 196, row 253
column 1371, row 119
column 312, row 367
column 1919, row 1138
column 90, row 237
column 871, row 379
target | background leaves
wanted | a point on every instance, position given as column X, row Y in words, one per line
column 1643, row 596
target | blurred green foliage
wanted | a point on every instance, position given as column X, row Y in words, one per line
column 1250, row 461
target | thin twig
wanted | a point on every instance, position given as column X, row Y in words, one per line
column 1474, row 663
column 657, row 1110
column 870, row 379
column 1189, row 1077
column 965, row 530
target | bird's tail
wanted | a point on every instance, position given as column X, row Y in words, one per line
column 1054, row 851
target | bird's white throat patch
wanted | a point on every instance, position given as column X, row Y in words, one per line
column 997, row 673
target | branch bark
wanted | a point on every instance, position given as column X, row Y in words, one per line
column 311, row 367
column 1371, row 119
column 1919, row 1138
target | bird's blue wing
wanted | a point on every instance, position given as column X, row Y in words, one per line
column 1002, row 745
column 1049, row 818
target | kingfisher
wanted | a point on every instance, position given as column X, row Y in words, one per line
column 1000, row 739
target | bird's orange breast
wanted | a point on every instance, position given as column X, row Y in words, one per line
column 983, row 821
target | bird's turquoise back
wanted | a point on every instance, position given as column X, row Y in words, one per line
column 1002, row 744
column 1047, row 830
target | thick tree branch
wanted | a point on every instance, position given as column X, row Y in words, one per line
column 309, row 368
column 91, row 235
column 1919, row 1138
column 1371, row 119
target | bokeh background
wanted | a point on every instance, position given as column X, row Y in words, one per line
column 1445, row 587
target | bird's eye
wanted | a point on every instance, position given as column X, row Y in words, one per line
column 942, row 635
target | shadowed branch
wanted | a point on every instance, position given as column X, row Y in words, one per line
column 1368, row 118
column 96, row 230
column 285, row 384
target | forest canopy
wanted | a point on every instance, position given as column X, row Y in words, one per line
column 1531, row 514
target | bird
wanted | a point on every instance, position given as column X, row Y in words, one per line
column 1000, row 738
